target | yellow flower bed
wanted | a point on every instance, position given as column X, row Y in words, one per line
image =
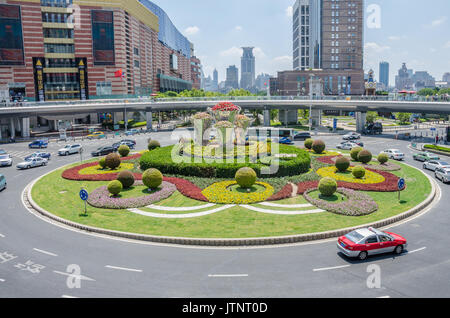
column 219, row 193
column 332, row 172
column 324, row 154
column 98, row 170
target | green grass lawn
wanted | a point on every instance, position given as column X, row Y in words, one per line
column 60, row 197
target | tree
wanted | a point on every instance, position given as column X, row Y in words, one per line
column 426, row 92
column 371, row 117
column 403, row 118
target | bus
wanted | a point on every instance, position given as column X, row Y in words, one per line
column 275, row 134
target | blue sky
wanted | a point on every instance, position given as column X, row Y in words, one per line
column 411, row 31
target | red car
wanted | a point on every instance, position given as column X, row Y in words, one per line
column 369, row 241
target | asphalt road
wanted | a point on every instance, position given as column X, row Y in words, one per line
column 36, row 256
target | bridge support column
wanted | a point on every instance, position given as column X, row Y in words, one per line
column 25, row 127
column 149, row 116
column 360, row 121
column 266, row 118
column 12, row 127
column 125, row 120
column 316, row 117
column 289, row 117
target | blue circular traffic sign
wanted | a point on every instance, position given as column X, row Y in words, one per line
column 401, row 184
column 84, row 195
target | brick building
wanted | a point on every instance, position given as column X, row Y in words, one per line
column 75, row 50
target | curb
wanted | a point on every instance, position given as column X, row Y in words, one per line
column 246, row 242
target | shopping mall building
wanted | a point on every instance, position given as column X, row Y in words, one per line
column 75, row 50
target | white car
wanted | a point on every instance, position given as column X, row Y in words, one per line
column 35, row 162
column 443, row 174
column 69, row 150
column 346, row 146
column 351, row 136
column 435, row 164
column 6, row 160
column 395, row 154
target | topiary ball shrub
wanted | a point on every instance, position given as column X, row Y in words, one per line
column 102, row 163
column 327, row 186
column 152, row 178
column 153, row 144
column 308, row 143
column 355, row 152
column 318, row 146
column 245, row 177
column 126, row 178
column 342, row 164
column 124, row 150
column 112, row 161
column 365, row 156
column 115, row 187
column 359, row 172
column 382, row 158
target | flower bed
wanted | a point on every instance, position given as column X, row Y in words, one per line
column 98, row 170
column 187, row 188
column 219, row 193
column 284, row 193
column 326, row 153
column 358, row 203
column 101, row 198
column 332, row 172
column 388, row 166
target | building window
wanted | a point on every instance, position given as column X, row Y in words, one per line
column 104, row 88
column 137, row 63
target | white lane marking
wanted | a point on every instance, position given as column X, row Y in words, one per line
column 1, row 235
column 173, row 209
column 329, row 268
column 75, row 276
column 384, row 297
column 2, row 280
column 180, row 216
column 288, row 206
column 418, row 250
column 124, row 269
column 44, row 252
column 67, row 296
column 256, row 209
column 227, row 275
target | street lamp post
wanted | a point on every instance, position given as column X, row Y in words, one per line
column 310, row 98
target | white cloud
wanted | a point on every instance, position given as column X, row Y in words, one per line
column 433, row 50
column 447, row 45
column 258, row 52
column 238, row 28
column 436, row 23
column 394, row 38
column 232, row 52
column 372, row 47
column 373, row 53
column 192, row 30
column 289, row 12
column 285, row 58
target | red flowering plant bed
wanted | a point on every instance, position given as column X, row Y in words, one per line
column 284, row 193
column 187, row 188
column 226, row 107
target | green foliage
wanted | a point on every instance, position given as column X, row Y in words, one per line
column 124, row 150
column 318, row 146
column 359, row 172
column 115, row 187
column 327, row 187
column 403, row 118
column 371, row 117
column 365, row 156
column 246, row 177
column 152, row 178
column 382, row 158
column 427, row 92
column 102, row 163
column 355, row 152
column 342, row 164
column 178, row 165
column 126, row 178
column 308, row 143
column 439, row 148
column 153, row 144
column 112, row 161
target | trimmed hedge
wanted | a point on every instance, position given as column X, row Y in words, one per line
column 115, row 187
column 359, row 172
column 153, row 144
column 318, row 146
column 355, row 152
column 327, row 186
column 123, row 150
column 162, row 160
column 113, row 161
column 102, row 163
column 365, row 156
column 342, row 164
column 126, row 178
column 438, row 148
column 246, row 177
column 152, row 178
column 308, row 143
column 382, row 158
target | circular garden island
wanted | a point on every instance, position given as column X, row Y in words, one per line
column 198, row 189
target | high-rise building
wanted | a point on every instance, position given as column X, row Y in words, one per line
column 446, row 77
column 422, row 79
column 328, row 34
column 248, row 69
column 262, row 81
column 384, row 74
column 307, row 32
column 216, row 77
column 232, row 81
column 403, row 80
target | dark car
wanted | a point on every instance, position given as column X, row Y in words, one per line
column 129, row 141
column 102, row 151
column 44, row 155
column 38, row 144
column 302, row 136
column 118, row 144
column 374, row 129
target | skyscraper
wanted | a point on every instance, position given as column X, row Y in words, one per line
column 216, row 77
column 384, row 74
column 248, row 69
column 328, row 34
column 232, row 81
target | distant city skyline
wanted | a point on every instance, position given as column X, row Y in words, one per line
column 416, row 36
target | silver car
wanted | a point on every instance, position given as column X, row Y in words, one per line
column 434, row 164
column 443, row 174
column 6, row 160
column 35, row 162
column 394, row 154
column 69, row 150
